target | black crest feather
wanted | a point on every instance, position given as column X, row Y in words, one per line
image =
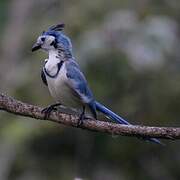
column 58, row 27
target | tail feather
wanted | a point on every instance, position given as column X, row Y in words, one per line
column 120, row 120
column 110, row 114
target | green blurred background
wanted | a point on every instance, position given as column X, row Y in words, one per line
column 129, row 52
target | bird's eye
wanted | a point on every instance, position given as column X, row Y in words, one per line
column 43, row 39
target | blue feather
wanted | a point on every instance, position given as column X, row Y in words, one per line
column 77, row 82
column 120, row 120
column 110, row 114
column 61, row 39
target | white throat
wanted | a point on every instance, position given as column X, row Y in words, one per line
column 53, row 55
column 51, row 65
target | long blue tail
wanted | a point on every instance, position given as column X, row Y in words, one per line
column 120, row 120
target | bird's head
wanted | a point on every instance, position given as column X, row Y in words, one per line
column 53, row 39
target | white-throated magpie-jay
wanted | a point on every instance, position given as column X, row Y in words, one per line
column 66, row 82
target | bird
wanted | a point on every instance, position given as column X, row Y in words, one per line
column 66, row 82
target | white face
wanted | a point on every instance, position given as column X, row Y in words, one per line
column 47, row 42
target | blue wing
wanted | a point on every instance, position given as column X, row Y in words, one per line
column 78, row 85
column 77, row 82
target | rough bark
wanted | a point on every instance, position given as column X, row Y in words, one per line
column 14, row 106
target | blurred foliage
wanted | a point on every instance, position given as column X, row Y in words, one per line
column 129, row 52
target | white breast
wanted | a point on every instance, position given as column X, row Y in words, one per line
column 58, row 87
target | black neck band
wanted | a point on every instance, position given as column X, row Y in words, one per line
column 59, row 65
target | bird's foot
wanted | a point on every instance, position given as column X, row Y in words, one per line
column 81, row 119
column 47, row 111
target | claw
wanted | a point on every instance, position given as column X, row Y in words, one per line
column 47, row 111
column 81, row 118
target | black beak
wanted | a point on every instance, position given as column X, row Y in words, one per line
column 36, row 46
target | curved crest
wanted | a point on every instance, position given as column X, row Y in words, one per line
column 58, row 27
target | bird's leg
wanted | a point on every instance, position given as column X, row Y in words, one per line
column 48, row 110
column 81, row 117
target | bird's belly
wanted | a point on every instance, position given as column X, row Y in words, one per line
column 61, row 92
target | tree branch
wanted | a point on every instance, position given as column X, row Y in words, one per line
column 11, row 105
